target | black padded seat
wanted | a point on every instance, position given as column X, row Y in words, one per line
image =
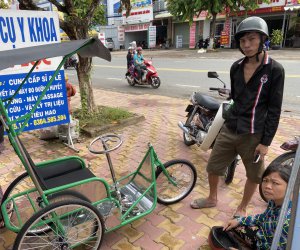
column 67, row 178
column 58, row 168
column 62, row 172
column 207, row 101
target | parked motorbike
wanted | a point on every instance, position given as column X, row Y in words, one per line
column 71, row 62
column 149, row 76
column 285, row 158
column 204, row 121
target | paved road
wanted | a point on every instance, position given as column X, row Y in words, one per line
column 183, row 72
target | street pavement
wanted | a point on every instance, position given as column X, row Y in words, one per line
column 168, row 227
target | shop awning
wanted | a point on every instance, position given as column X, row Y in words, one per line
column 85, row 48
column 292, row 7
column 163, row 15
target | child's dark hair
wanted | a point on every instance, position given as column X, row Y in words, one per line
column 283, row 170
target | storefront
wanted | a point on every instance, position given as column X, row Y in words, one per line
column 137, row 23
column 273, row 13
column 292, row 14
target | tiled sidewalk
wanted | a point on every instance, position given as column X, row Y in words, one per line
column 173, row 227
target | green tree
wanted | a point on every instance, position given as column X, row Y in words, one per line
column 79, row 17
column 188, row 9
column 4, row 4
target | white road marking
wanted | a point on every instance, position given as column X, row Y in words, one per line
column 182, row 85
column 112, row 78
column 184, row 70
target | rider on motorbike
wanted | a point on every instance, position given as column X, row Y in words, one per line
column 129, row 57
column 139, row 63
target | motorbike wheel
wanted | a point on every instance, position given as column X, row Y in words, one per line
column 155, row 82
column 229, row 174
column 130, row 82
column 284, row 159
column 187, row 138
column 183, row 173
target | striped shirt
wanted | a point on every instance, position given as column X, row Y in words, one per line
column 266, row 223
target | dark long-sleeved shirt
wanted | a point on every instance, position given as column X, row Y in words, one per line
column 257, row 104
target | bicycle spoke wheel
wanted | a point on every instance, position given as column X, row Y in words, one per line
column 73, row 224
column 183, row 173
column 21, row 184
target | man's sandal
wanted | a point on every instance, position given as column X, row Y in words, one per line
column 202, row 203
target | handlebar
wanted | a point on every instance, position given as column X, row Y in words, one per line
column 222, row 91
column 106, row 141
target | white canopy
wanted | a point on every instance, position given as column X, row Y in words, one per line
column 292, row 7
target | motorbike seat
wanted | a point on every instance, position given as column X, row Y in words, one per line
column 207, row 101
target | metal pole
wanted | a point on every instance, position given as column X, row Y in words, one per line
column 283, row 26
column 287, row 198
column 286, row 28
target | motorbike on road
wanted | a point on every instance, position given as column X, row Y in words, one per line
column 204, row 121
column 286, row 158
column 149, row 76
column 71, row 62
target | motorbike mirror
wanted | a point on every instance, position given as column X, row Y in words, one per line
column 212, row 74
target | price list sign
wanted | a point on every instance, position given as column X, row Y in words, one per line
column 19, row 29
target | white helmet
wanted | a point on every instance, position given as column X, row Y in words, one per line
column 129, row 48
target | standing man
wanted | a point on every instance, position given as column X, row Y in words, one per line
column 257, row 89
column 139, row 63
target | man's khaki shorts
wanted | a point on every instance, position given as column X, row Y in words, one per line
column 227, row 146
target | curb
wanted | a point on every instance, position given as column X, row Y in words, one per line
column 93, row 131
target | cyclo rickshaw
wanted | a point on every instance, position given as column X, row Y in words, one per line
column 60, row 203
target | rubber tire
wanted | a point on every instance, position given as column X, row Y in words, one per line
column 277, row 161
column 38, row 214
column 25, row 175
column 131, row 83
column 158, row 84
column 229, row 174
column 12, row 186
column 72, row 193
column 9, row 189
column 186, row 141
column 169, row 165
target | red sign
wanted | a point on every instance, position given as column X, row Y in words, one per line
column 137, row 27
column 224, row 40
column 193, row 35
column 260, row 11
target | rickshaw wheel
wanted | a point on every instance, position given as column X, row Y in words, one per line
column 20, row 184
column 183, row 173
column 72, row 224
column 23, row 182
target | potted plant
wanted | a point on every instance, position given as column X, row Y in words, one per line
column 276, row 39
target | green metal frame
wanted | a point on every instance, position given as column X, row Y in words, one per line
column 10, row 127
